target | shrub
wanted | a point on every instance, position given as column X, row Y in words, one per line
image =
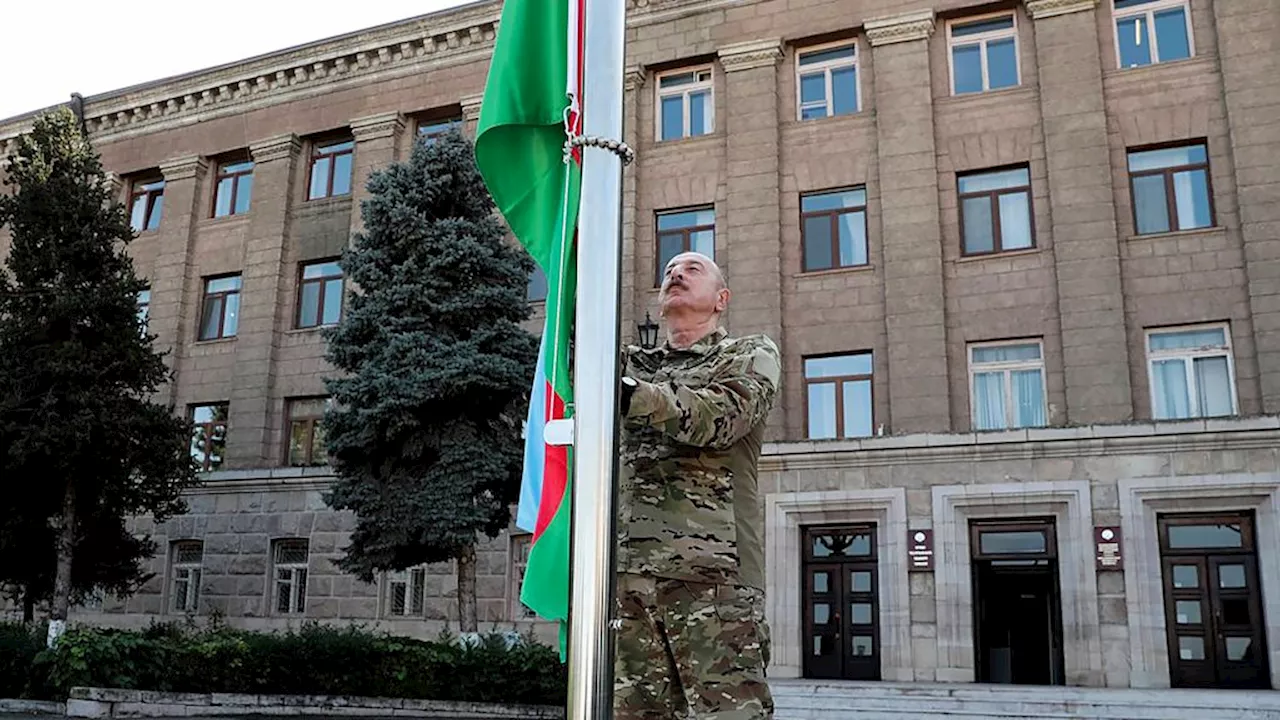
column 19, row 645
column 313, row 660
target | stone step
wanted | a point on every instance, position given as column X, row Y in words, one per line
column 825, row 700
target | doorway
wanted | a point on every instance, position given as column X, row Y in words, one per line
column 841, row 603
column 1017, row 602
column 1213, row 601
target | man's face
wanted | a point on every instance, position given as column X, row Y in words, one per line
column 692, row 285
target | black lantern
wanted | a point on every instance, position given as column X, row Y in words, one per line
column 648, row 332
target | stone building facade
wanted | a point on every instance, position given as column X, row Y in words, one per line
column 1022, row 259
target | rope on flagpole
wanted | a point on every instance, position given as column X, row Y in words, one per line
column 616, row 147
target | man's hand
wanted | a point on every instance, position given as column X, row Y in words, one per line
column 628, row 389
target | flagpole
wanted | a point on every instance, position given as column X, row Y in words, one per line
column 596, row 368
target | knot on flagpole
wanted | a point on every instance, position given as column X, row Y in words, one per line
column 616, row 147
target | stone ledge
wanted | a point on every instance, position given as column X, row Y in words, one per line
column 32, row 707
column 116, row 703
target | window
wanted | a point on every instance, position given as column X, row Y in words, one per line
column 1152, row 31
column 833, row 228
column 520, row 545
column 430, row 130
column 685, row 231
column 984, row 54
column 306, row 431
column 1192, row 374
column 144, row 309
column 838, row 392
column 995, row 211
column 1006, row 385
column 188, row 556
column 220, row 314
column 146, row 205
column 209, row 435
column 827, row 81
column 331, row 170
column 537, row 290
column 405, row 592
column 685, row 108
column 291, row 576
column 234, row 188
column 1170, row 189
column 320, row 294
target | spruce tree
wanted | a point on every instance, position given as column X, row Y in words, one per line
column 424, row 433
column 82, row 444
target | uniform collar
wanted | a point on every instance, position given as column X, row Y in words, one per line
column 703, row 346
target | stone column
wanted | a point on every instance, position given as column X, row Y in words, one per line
column 749, row 229
column 262, row 309
column 633, row 303
column 377, row 140
column 471, row 114
column 914, row 302
column 172, row 319
column 1247, row 30
column 1081, row 200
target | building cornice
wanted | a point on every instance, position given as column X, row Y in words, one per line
column 471, row 106
column 633, row 78
column 275, row 148
column 1094, row 440
column 183, row 168
column 373, row 127
column 748, row 55
column 1039, row 9
column 899, row 28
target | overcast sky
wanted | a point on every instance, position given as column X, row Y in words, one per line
column 53, row 48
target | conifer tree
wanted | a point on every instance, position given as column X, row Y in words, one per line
column 424, row 432
column 83, row 446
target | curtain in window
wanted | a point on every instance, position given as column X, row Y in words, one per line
column 1028, row 395
column 1171, row 397
column 1213, row 386
column 988, row 401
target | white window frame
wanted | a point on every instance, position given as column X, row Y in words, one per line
column 517, row 564
column 188, row 572
column 684, row 91
column 297, row 578
column 411, row 579
column 826, row 68
column 981, row 39
column 1188, row 355
column 1007, row 368
column 1148, row 12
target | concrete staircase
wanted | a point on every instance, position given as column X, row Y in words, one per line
column 829, row 700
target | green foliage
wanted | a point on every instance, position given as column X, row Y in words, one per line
column 77, row 372
column 314, row 660
column 435, row 366
column 19, row 645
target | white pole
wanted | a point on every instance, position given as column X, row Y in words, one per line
column 596, row 370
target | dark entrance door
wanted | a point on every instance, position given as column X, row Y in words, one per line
column 1213, row 601
column 841, row 603
column 1018, row 623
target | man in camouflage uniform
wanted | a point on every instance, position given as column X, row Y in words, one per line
column 692, row 641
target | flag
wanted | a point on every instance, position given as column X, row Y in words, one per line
column 531, row 106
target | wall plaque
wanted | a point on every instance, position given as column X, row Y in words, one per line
column 920, row 550
column 1107, row 543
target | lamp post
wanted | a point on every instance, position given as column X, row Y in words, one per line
column 648, row 332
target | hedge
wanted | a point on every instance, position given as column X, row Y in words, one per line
column 314, row 660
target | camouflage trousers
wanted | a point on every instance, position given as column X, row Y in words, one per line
column 690, row 650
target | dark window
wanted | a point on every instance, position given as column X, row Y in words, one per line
column 838, row 396
column 144, row 309
column 331, row 170
column 291, row 560
column 306, row 431
column 995, row 211
column 209, row 435
column 537, row 290
column 685, row 231
column 146, row 205
column 188, row 557
column 234, row 189
column 1171, row 189
column 220, row 313
column 430, row 130
column 833, row 229
column 320, row 294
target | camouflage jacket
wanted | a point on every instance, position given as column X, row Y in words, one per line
column 688, row 498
